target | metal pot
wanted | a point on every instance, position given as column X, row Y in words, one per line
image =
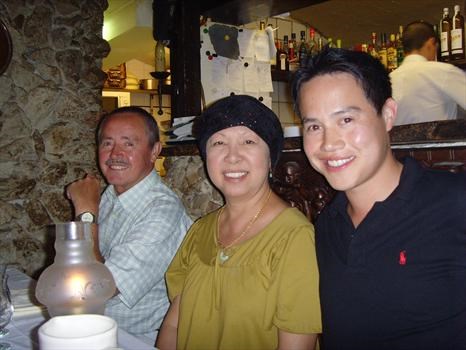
column 149, row 84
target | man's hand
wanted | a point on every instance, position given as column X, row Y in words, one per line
column 84, row 194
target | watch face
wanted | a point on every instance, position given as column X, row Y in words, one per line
column 87, row 217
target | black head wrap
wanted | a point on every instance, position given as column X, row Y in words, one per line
column 240, row 110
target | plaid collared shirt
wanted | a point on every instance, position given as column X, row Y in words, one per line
column 139, row 233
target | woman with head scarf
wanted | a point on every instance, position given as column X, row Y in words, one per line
column 246, row 275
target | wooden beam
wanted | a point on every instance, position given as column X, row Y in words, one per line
column 237, row 12
column 185, row 60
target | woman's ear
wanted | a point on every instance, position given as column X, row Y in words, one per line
column 389, row 110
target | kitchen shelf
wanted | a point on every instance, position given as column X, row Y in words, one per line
column 166, row 90
column 459, row 63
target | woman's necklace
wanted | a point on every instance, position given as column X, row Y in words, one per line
column 223, row 255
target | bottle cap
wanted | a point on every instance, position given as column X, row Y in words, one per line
column 457, row 8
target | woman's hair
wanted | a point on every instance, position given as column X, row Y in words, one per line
column 151, row 125
column 416, row 34
column 368, row 72
column 240, row 110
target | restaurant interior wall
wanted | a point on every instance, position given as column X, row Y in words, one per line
column 50, row 103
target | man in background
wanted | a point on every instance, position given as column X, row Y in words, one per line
column 141, row 222
column 391, row 245
column 426, row 90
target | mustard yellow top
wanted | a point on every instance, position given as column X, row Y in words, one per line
column 269, row 282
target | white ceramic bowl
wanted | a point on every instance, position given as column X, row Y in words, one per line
column 78, row 332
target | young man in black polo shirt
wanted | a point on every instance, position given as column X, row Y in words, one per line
column 391, row 246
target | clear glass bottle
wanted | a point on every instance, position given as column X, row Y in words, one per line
column 76, row 283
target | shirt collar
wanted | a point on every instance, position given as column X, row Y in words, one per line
column 137, row 193
column 414, row 58
column 410, row 175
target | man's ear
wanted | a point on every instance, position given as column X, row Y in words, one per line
column 389, row 110
column 156, row 151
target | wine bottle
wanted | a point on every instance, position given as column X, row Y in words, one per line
column 383, row 50
column 445, row 36
column 457, row 35
column 373, row 46
column 284, row 63
column 302, row 50
column 391, row 54
column 273, row 60
column 292, row 57
column 400, row 54
column 312, row 42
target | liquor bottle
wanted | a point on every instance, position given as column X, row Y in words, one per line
column 320, row 44
column 445, row 36
column 284, row 63
column 312, row 42
column 302, row 50
column 292, row 57
column 400, row 54
column 383, row 50
column 372, row 49
column 391, row 54
column 273, row 60
column 457, row 35
column 339, row 43
column 330, row 43
column 291, row 49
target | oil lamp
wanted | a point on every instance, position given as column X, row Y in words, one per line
column 160, row 73
column 76, row 283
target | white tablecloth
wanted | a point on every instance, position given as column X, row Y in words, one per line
column 29, row 317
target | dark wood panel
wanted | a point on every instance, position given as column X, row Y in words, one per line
column 300, row 185
column 239, row 12
column 185, row 61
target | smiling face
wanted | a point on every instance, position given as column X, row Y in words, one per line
column 125, row 155
column 344, row 138
column 238, row 162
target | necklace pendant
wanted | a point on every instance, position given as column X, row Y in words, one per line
column 223, row 257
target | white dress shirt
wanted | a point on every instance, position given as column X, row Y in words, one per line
column 427, row 90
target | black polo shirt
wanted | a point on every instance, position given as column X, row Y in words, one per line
column 398, row 281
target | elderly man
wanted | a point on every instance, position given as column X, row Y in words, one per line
column 141, row 222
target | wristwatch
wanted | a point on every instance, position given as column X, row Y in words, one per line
column 86, row 216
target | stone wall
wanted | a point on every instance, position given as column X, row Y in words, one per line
column 49, row 105
column 186, row 175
